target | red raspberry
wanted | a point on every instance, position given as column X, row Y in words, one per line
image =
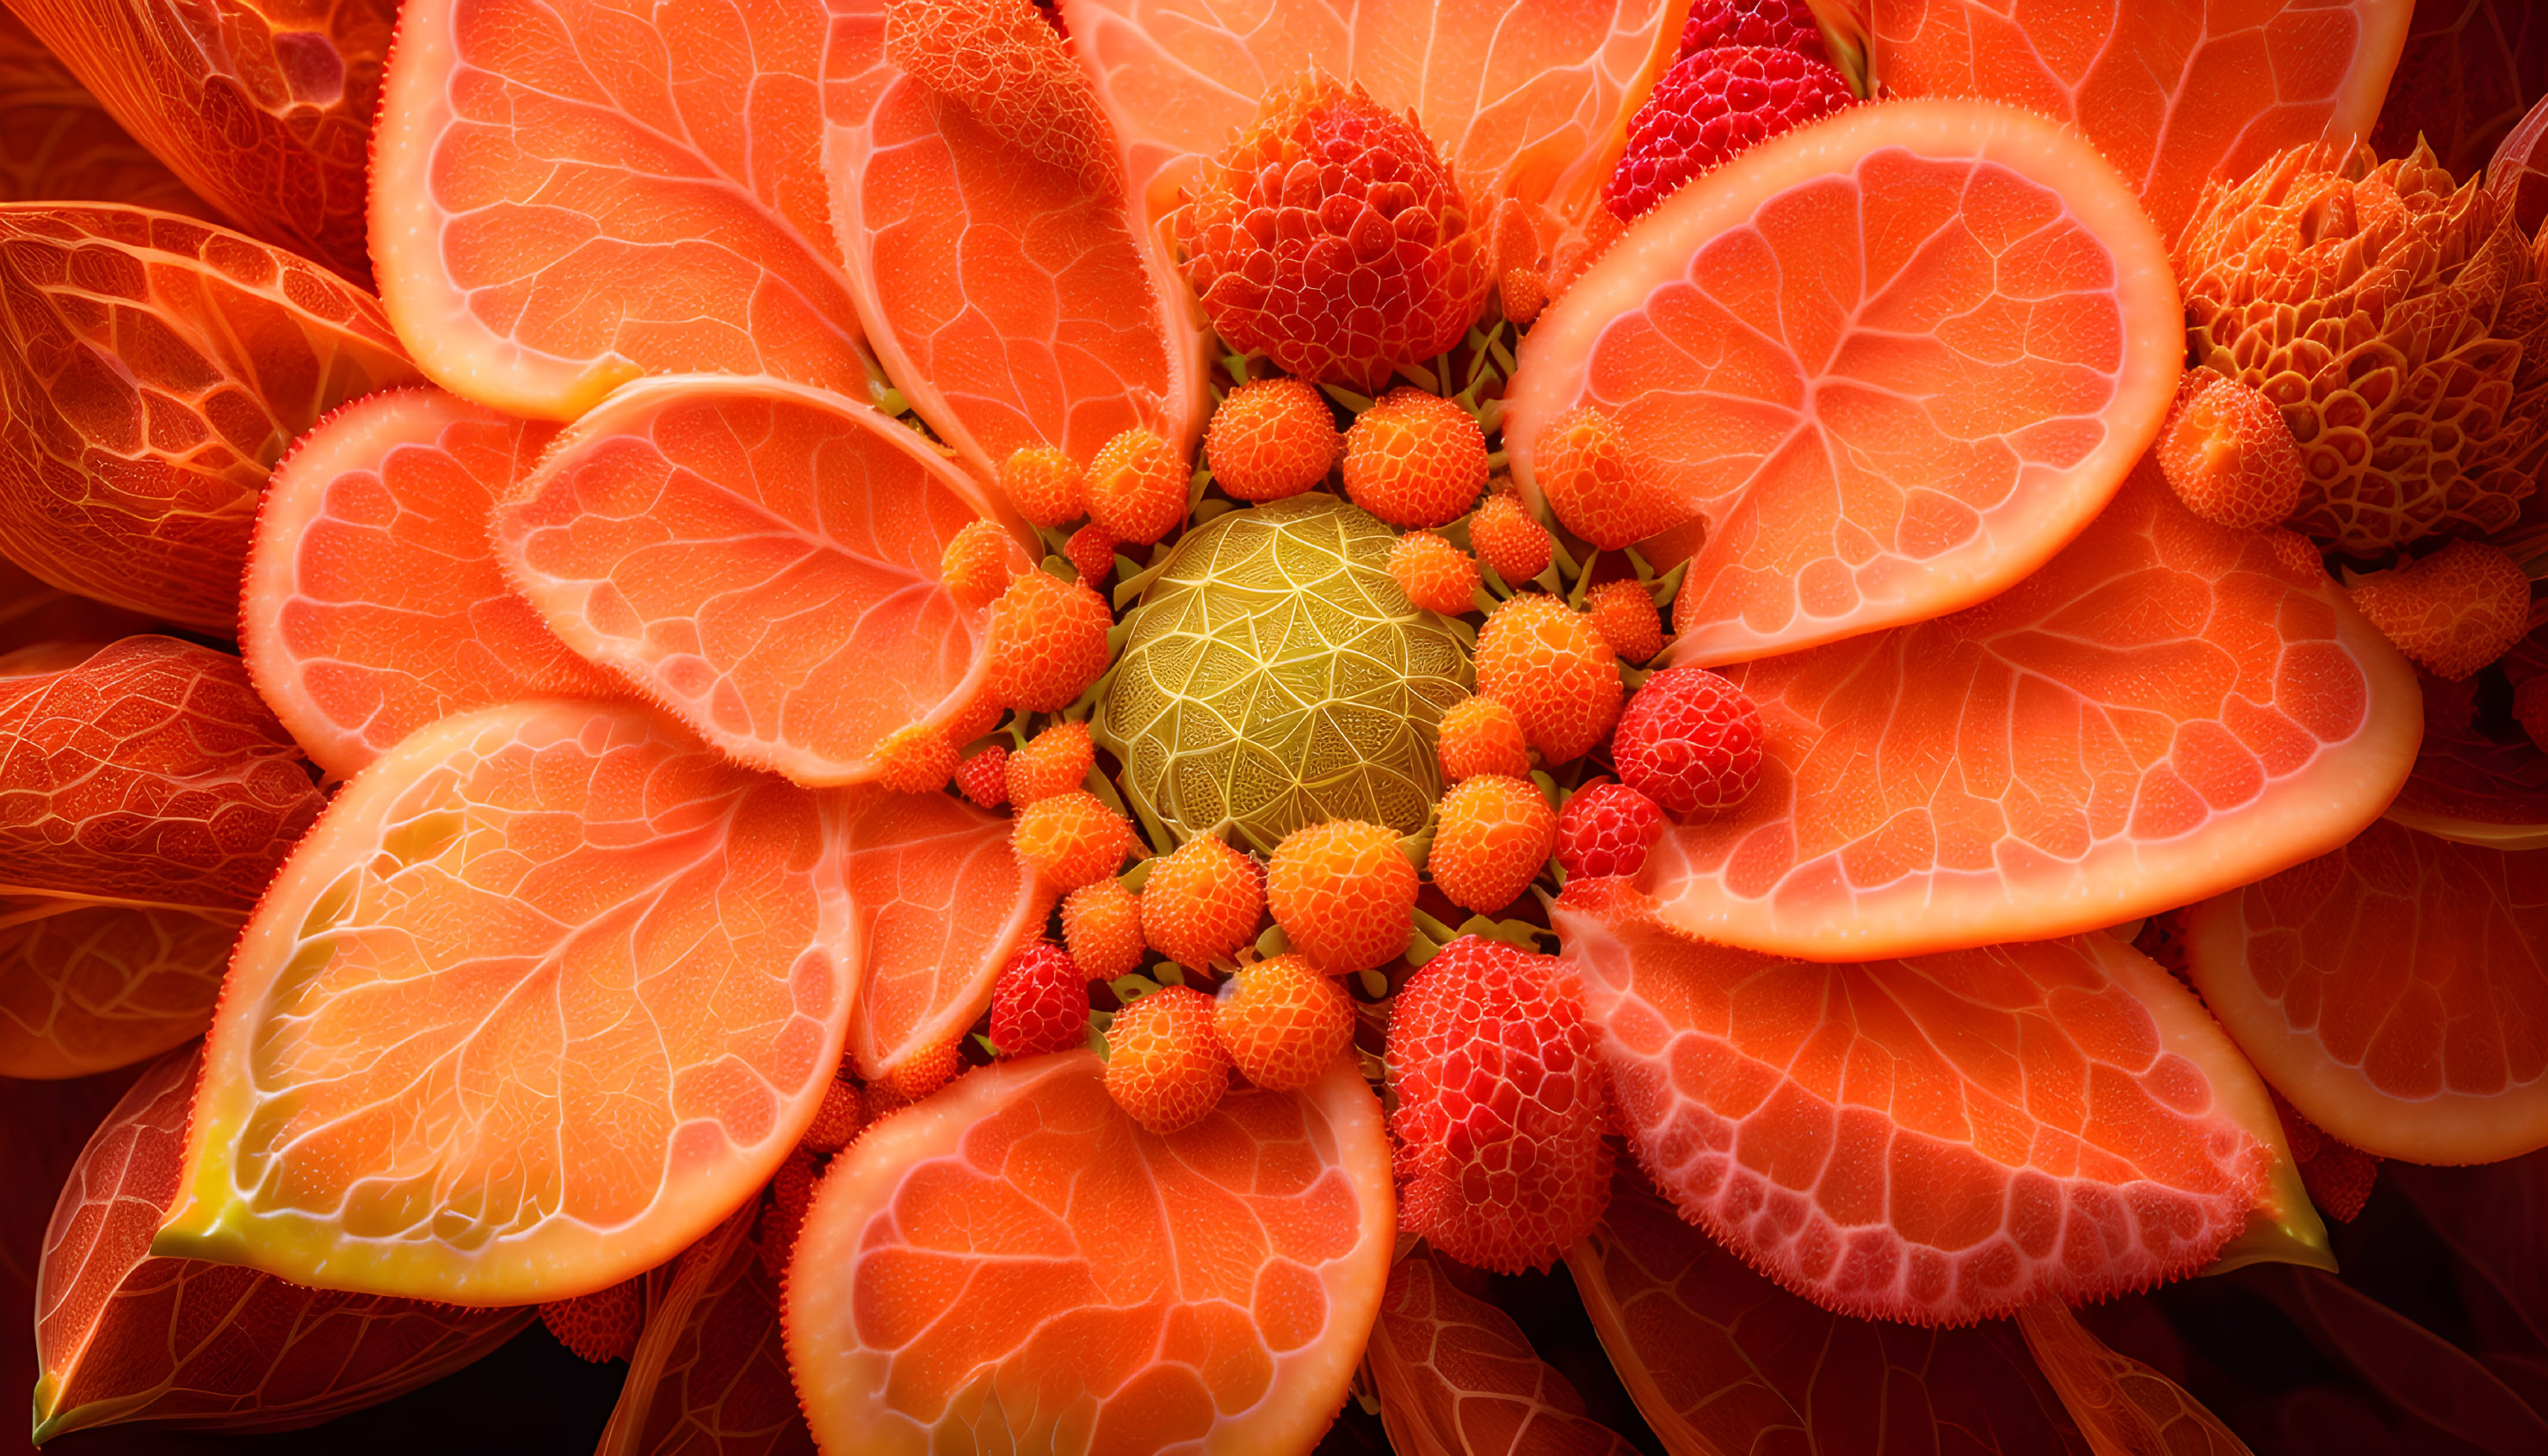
column 1040, row 1003
column 984, row 779
column 1782, row 25
column 1202, row 902
column 1607, row 829
column 1711, row 107
column 1690, row 741
column 1092, row 551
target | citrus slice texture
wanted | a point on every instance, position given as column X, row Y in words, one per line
column 1456, row 1377
column 1896, row 360
column 58, row 141
column 2225, row 85
column 1010, row 301
column 938, row 901
column 125, row 1336
column 2052, row 1119
column 264, row 108
column 709, row 1374
column 565, row 197
column 546, row 993
column 2168, row 710
column 86, row 987
column 1013, row 1263
column 2123, row 1405
column 2395, row 990
column 373, row 603
column 1720, row 1359
column 760, row 558
column 129, row 473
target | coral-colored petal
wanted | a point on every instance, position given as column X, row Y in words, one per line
column 1457, row 1377
column 57, row 142
column 153, row 369
column 709, row 1377
column 374, row 604
column 1014, row 1265
column 565, row 197
column 2168, row 709
column 2124, row 1406
column 86, row 987
column 760, row 559
column 548, row 991
column 127, row 1336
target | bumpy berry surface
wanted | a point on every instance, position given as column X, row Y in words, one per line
column 924, row 1071
column 1054, row 761
column 600, row 1325
column 1101, row 922
column 1091, row 548
column 2228, row 454
column 1004, row 62
column 1070, row 839
column 984, row 777
column 1584, row 468
column 1691, row 741
column 1415, row 459
column 1490, row 835
column 1137, row 487
column 915, row 759
column 1164, row 1063
column 1044, row 484
column 1506, row 537
column 976, row 562
column 1282, row 1022
column 1435, row 575
column 1712, row 106
column 838, row 1118
column 1271, row 439
column 1607, row 829
column 1784, row 24
column 1332, row 236
column 2452, row 613
column 1040, row 1003
column 1500, row 1108
column 1202, row 902
column 1545, row 661
column 1480, row 735
column 1522, row 292
column 1047, row 642
column 1623, row 612
column 791, row 1191
column 1343, row 893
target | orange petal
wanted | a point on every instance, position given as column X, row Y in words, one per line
column 2168, row 709
column 547, row 992
column 568, row 196
column 1457, row 1377
column 59, row 143
column 2395, row 990
column 1013, row 1263
column 2124, row 1406
column 153, row 370
column 760, row 559
column 146, row 772
column 709, row 1377
column 1940, row 1139
column 2172, row 106
column 86, row 987
column 1899, row 359
column 374, row 604
column 122, row 1335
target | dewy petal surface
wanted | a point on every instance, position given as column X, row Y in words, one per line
column 1015, row 1264
column 709, row 1375
column 153, row 369
column 1939, row 1140
column 2396, row 990
column 1457, row 1377
column 2173, row 96
column 565, row 197
column 2167, row 710
column 86, row 987
column 374, row 603
column 760, row 559
column 57, row 142
column 1898, row 359
column 548, row 991
column 123, row 1336
column 265, row 109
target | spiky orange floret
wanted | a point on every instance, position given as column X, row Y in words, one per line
column 1345, row 894
column 1545, row 661
column 1071, row 840
column 1164, row 1063
column 782, row 1218
column 1137, row 487
column 1271, row 439
column 1044, row 484
column 1004, row 64
column 601, row 1326
column 1500, row 1108
column 984, row 777
column 1281, row 1023
column 1490, row 835
column 837, row 1120
column 1054, row 761
column 1479, row 735
column 2228, row 454
column 1623, row 612
column 915, row 758
column 1047, row 642
column 1435, row 575
column 1506, row 537
column 977, row 563
column 1040, row 1003
column 1101, row 922
column 2453, row 611
column 1332, row 236
column 1091, row 550
column 1523, row 293
column 1415, row 459
column 1587, row 470
column 1202, row 902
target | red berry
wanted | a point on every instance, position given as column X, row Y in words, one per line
column 1711, row 107
column 1092, row 551
column 1607, row 829
column 1040, row 1003
column 1690, row 741
column 1784, row 24
column 984, row 779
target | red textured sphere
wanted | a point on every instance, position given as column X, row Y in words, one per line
column 1691, row 741
column 1782, row 25
column 1606, row 829
column 1040, row 1003
column 1709, row 108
